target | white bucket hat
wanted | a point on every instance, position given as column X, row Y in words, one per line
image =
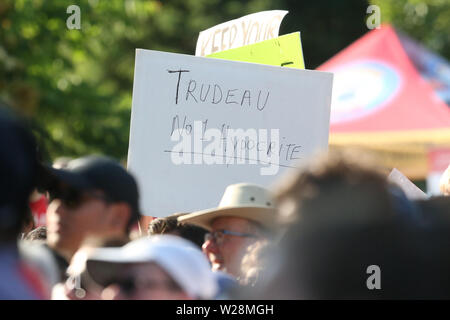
column 242, row 200
column 181, row 259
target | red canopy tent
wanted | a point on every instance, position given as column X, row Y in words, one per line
column 381, row 104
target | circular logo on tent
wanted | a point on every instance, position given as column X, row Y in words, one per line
column 361, row 88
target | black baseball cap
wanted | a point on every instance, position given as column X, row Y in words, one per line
column 99, row 173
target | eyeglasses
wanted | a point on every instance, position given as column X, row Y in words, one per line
column 219, row 235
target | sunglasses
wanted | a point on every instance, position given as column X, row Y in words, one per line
column 219, row 235
column 130, row 284
column 105, row 274
column 73, row 198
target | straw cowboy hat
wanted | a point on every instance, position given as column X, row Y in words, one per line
column 242, row 200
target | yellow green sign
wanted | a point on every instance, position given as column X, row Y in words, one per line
column 284, row 51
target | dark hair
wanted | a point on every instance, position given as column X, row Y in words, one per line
column 341, row 183
column 28, row 221
column 339, row 209
column 171, row 225
column 163, row 225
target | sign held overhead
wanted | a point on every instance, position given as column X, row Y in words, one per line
column 201, row 124
column 284, row 51
column 249, row 29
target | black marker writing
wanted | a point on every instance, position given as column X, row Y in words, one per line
column 178, row 81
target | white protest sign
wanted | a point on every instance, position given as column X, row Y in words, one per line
column 249, row 29
column 409, row 188
column 199, row 124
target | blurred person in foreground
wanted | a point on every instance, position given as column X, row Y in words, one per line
column 18, row 172
column 246, row 214
column 171, row 225
column 93, row 197
column 161, row 267
column 347, row 241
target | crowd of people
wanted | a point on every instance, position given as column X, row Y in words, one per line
column 334, row 228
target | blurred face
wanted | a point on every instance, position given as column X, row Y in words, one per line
column 226, row 247
column 144, row 281
column 71, row 221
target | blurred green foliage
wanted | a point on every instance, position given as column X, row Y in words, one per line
column 75, row 86
column 427, row 21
